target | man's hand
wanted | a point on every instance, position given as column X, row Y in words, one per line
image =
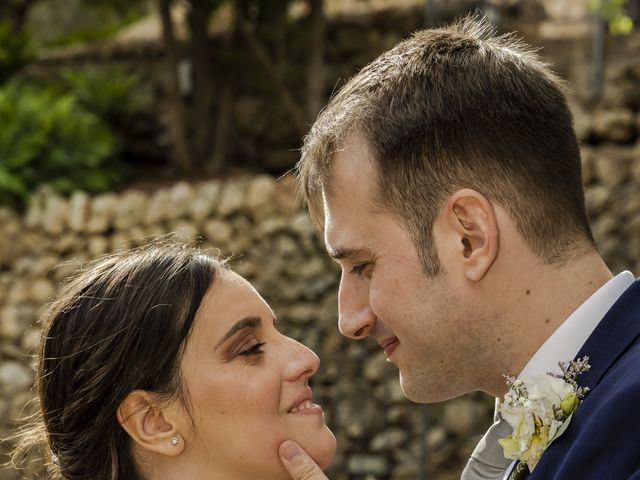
column 298, row 463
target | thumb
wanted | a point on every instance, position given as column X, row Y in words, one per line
column 298, row 462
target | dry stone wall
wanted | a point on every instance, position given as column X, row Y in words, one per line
column 259, row 223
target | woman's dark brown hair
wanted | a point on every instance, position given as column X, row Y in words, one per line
column 120, row 325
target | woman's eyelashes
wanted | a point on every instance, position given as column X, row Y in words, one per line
column 255, row 349
column 248, row 348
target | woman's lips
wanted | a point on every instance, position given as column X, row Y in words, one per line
column 307, row 407
column 303, row 404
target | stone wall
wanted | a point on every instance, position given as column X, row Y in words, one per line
column 258, row 221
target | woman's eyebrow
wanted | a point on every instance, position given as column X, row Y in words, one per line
column 247, row 322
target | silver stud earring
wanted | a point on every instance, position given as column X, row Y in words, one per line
column 174, row 440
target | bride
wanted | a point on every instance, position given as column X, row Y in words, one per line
column 161, row 363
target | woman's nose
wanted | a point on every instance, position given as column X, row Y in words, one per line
column 356, row 319
column 303, row 363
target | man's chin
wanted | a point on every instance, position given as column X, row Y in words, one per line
column 408, row 388
column 419, row 391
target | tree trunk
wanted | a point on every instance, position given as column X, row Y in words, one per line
column 16, row 13
column 279, row 26
column 218, row 156
column 177, row 121
column 315, row 67
column 203, row 88
column 297, row 113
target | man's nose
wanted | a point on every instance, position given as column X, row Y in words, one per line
column 356, row 319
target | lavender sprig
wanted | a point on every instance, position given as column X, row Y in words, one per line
column 570, row 372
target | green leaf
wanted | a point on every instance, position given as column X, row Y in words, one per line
column 561, row 430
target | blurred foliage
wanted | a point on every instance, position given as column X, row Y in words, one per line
column 47, row 137
column 114, row 94
column 614, row 13
column 67, row 132
column 93, row 33
column 16, row 51
column 67, row 22
column 123, row 99
column 123, row 8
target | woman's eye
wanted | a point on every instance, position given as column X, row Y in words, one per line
column 255, row 349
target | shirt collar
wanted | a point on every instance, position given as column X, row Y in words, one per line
column 565, row 343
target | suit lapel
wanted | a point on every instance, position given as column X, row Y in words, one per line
column 613, row 335
column 617, row 330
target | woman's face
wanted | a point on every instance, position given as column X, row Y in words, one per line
column 247, row 388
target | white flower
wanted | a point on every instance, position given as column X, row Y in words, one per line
column 539, row 410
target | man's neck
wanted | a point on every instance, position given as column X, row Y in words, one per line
column 548, row 296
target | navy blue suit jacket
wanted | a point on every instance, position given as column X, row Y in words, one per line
column 602, row 441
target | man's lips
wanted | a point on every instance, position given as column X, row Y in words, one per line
column 389, row 345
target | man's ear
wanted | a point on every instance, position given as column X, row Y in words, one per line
column 151, row 426
column 472, row 226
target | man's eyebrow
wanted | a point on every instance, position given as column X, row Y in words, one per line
column 341, row 253
column 247, row 322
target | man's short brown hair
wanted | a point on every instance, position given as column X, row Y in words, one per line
column 459, row 107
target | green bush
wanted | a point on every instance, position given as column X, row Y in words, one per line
column 123, row 100
column 49, row 138
column 97, row 20
column 112, row 93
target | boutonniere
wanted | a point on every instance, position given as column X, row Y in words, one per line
column 539, row 409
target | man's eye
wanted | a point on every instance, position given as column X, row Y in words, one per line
column 358, row 268
column 255, row 349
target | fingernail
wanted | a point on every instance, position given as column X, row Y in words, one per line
column 289, row 450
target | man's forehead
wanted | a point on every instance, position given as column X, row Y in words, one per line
column 352, row 160
column 351, row 182
column 348, row 227
column 348, row 201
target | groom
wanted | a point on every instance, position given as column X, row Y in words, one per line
column 445, row 178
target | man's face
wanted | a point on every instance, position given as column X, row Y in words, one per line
column 420, row 322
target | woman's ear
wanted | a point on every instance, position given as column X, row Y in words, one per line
column 472, row 227
column 150, row 425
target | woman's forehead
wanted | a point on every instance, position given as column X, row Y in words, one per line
column 232, row 296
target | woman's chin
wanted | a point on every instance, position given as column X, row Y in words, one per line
column 322, row 447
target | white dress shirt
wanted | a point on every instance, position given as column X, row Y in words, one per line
column 565, row 343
